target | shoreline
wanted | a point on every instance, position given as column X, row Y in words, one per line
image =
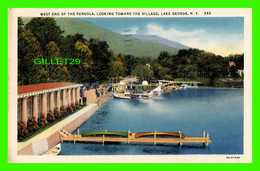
column 220, row 87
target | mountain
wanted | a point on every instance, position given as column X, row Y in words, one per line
column 138, row 45
column 158, row 39
column 118, row 43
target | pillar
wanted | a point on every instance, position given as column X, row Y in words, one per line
column 128, row 136
column 73, row 96
column 77, row 95
column 69, row 97
column 103, row 139
column 64, row 98
column 44, row 104
column 180, row 138
column 24, row 111
column 52, row 102
column 58, row 101
column 154, row 138
column 35, row 107
column 207, row 140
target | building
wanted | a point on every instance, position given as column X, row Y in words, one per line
column 37, row 99
column 231, row 63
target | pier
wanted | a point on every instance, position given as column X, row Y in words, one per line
column 127, row 137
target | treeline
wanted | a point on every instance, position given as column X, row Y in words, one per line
column 192, row 64
column 42, row 38
column 187, row 64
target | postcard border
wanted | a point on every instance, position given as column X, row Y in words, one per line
column 248, row 88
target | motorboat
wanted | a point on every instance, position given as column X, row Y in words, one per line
column 183, row 86
column 140, row 95
column 125, row 95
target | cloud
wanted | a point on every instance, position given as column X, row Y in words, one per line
column 218, row 43
column 172, row 32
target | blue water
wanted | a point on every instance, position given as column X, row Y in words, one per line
column 217, row 111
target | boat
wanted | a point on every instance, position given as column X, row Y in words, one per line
column 183, row 86
column 168, row 89
column 139, row 95
column 156, row 92
column 145, row 95
column 54, row 150
column 160, row 134
column 125, row 95
column 105, row 133
column 142, row 95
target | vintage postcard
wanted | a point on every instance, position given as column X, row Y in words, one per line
column 130, row 85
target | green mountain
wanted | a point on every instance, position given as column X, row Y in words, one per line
column 118, row 43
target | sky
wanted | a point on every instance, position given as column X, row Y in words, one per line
column 222, row 36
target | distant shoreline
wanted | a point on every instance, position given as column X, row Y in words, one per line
column 219, row 87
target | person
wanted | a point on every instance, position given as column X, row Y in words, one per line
column 97, row 94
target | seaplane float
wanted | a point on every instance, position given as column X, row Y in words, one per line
column 141, row 95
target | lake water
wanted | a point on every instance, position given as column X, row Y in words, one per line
column 217, row 111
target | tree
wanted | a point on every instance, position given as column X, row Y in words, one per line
column 82, row 73
column 20, row 26
column 233, row 72
column 76, row 46
column 67, row 46
column 129, row 63
column 45, row 30
column 101, row 59
column 210, row 65
column 117, row 66
column 28, row 50
column 144, row 72
column 56, row 72
column 156, row 67
column 190, row 71
column 162, row 56
column 164, row 73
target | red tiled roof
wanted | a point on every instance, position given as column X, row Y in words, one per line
column 44, row 86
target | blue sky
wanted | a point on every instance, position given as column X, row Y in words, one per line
column 221, row 36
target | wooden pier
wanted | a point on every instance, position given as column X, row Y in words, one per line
column 154, row 138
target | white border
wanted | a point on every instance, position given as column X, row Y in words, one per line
column 215, row 12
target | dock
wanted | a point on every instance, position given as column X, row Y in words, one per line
column 148, row 137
